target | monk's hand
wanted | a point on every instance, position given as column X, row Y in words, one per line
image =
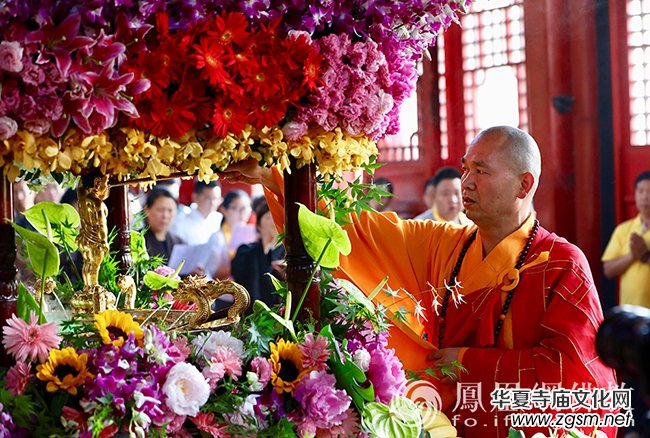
column 637, row 246
column 249, row 171
column 444, row 357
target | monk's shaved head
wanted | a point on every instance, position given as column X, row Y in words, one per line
column 520, row 148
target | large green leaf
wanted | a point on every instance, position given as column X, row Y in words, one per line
column 348, row 375
column 399, row 419
column 285, row 322
column 25, row 303
column 63, row 219
column 320, row 233
column 43, row 255
column 156, row 281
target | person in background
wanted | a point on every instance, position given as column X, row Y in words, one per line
column 234, row 231
column 173, row 186
column 70, row 197
column 446, row 205
column 23, row 200
column 253, row 261
column 628, row 252
column 203, row 219
column 51, row 192
column 160, row 210
column 428, row 193
column 385, row 202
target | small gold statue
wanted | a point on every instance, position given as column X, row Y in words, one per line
column 127, row 287
column 93, row 244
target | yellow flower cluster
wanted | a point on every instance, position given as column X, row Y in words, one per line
column 130, row 153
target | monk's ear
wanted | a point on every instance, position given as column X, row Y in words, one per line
column 527, row 182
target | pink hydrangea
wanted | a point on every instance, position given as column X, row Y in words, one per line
column 323, row 405
column 315, row 352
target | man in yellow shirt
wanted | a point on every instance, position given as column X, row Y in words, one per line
column 512, row 302
column 627, row 254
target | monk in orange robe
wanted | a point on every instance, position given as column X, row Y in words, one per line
column 513, row 303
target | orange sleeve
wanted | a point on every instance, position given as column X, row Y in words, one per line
column 385, row 245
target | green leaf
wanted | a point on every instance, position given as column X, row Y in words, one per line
column 399, row 419
column 348, row 375
column 356, row 294
column 286, row 323
column 317, row 231
column 62, row 217
column 156, row 281
column 138, row 247
column 43, row 255
column 25, row 303
column 512, row 433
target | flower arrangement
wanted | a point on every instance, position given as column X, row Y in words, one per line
column 151, row 88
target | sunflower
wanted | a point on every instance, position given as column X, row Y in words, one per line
column 64, row 369
column 115, row 327
column 286, row 359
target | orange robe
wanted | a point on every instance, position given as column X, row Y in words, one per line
column 548, row 337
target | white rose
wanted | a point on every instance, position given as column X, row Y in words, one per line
column 186, row 389
column 361, row 358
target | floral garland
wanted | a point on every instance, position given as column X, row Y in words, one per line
column 225, row 69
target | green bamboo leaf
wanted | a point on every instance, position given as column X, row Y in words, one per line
column 317, row 231
column 43, row 255
column 62, row 217
column 25, row 304
column 348, row 375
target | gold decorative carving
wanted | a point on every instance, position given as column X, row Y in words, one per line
column 202, row 292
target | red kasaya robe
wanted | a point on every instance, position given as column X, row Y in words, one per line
column 548, row 336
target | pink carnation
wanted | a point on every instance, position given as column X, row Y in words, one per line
column 315, row 352
column 30, row 341
column 263, row 369
column 223, row 361
column 18, row 377
column 8, row 127
column 324, row 406
column 11, row 55
column 349, row 427
column 206, row 422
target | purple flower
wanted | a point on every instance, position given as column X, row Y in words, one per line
column 11, row 55
column 8, row 127
column 322, row 404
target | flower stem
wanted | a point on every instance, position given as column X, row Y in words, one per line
column 311, row 277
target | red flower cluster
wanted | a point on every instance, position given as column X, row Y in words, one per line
column 221, row 73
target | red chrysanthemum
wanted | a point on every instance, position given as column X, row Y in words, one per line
column 172, row 116
column 230, row 28
column 311, row 71
column 267, row 113
column 226, row 118
column 211, row 58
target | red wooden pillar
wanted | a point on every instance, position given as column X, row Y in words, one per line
column 300, row 187
column 8, row 281
column 455, row 96
column 118, row 219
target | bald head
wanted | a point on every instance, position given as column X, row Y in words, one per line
column 518, row 146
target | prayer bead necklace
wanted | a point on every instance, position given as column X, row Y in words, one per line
column 454, row 274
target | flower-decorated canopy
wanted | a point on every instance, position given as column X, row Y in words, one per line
column 150, row 88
